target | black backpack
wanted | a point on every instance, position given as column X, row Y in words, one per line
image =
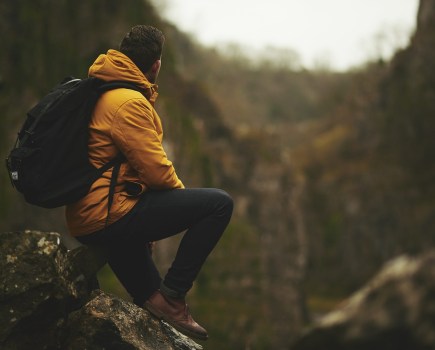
column 49, row 163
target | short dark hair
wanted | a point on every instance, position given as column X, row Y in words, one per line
column 143, row 44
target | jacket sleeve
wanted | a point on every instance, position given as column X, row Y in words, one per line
column 136, row 131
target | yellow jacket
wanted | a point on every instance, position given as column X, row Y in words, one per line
column 123, row 121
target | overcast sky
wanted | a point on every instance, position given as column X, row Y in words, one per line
column 338, row 33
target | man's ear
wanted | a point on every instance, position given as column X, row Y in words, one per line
column 156, row 66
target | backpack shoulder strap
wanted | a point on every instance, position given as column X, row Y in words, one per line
column 118, row 84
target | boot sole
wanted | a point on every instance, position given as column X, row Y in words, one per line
column 160, row 315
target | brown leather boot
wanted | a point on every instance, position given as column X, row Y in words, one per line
column 176, row 313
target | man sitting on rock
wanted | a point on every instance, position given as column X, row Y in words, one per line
column 150, row 202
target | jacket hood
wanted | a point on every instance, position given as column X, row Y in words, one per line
column 114, row 65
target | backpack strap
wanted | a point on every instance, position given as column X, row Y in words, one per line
column 116, row 164
column 118, row 84
column 120, row 158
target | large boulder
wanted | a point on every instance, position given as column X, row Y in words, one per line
column 395, row 310
column 48, row 300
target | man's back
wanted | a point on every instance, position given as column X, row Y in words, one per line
column 124, row 121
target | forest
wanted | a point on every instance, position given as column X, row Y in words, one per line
column 331, row 173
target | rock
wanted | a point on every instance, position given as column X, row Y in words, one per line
column 46, row 302
column 395, row 310
column 108, row 322
column 37, row 289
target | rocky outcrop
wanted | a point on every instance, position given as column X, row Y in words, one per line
column 396, row 310
column 49, row 300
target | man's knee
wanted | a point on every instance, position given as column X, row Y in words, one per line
column 225, row 200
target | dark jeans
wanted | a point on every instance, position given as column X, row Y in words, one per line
column 203, row 212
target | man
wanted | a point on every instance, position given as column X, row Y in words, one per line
column 150, row 202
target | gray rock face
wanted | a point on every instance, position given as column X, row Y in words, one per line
column 395, row 310
column 46, row 302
